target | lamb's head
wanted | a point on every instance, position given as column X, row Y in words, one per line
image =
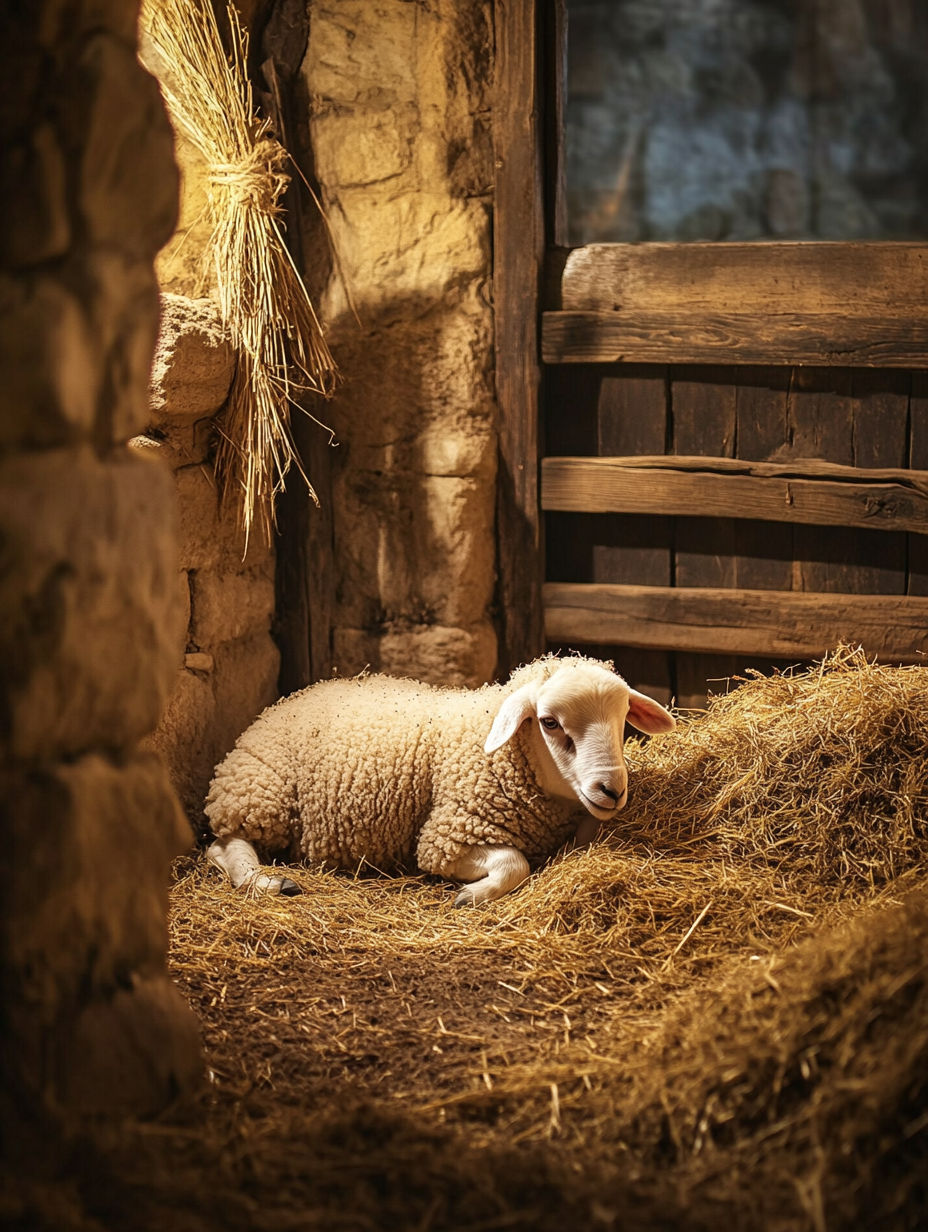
column 576, row 711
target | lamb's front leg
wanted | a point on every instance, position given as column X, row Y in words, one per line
column 239, row 861
column 493, row 870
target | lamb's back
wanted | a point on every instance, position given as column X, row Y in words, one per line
column 362, row 754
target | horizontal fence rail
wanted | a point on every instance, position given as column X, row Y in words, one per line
column 852, row 304
column 775, row 624
column 649, row 337
column 816, row 493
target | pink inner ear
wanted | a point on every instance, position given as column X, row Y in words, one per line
column 648, row 715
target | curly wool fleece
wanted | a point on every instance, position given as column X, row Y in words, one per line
column 381, row 769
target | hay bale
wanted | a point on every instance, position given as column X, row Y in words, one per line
column 821, row 773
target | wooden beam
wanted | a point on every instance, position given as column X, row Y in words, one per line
column 747, row 336
column 817, row 493
column 518, row 247
column 767, row 623
column 859, row 280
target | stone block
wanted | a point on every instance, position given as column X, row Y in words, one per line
column 131, row 1054
column 208, row 711
column 347, row 153
column 179, row 265
column 126, row 321
column 128, row 178
column 34, row 222
column 91, row 619
column 50, row 361
column 177, row 447
column 98, row 838
column 435, row 654
column 210, row 536
column 227, row 606
column 185, row 740
column 83, row 936
column 194, row 364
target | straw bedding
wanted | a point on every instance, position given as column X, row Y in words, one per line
column 718, row 1012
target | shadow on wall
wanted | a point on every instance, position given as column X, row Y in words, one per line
column 414, row 480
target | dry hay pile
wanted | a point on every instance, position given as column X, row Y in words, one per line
column 720, row 1011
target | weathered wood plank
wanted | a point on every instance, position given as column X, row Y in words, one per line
column 555, row 103
column 823, row 414
column 917, row 554
column 632, row 419
column 518, row 246
column 731, row 488
column 844, row 279
column 761, row 412
column 703, row 414
column 775, row 624
column 671, row 336
column 632, row 412
column 703, row 409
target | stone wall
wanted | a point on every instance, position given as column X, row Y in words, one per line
column 90, row 619
column 230, row 666
column 398, row 108
column 747, row 120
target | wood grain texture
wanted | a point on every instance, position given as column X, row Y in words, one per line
column 632, row 411
column 678, row 336
column 776, row 624
column 917, row 546
column 823, row 411
column 703, row 418
column 555, row 104
column 856, row 280
column 729, row 488
column 518, row 246
column 632, row 416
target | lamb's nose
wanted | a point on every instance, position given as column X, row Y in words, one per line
column 607, row 791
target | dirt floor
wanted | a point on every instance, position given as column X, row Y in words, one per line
column 717, row 1013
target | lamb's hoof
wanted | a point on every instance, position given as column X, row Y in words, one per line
column 465, row 898
column 261, row 883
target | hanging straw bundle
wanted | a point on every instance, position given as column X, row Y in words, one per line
column 263, row 301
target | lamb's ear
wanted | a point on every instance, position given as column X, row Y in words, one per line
column 647, row 715
column 512, row 714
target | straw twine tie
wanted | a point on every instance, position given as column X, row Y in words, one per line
column 258, row 181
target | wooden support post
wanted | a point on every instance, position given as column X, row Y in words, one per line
column 518, row 245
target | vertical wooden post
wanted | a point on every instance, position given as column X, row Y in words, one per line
column 305, row 576
column 518, row 257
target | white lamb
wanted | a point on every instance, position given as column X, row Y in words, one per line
column 466, row 783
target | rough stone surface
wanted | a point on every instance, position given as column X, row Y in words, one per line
column 210, row 535
column 230, row 667
column 422, row 652
column 214, row 699
column 179, row 266
column 91, row 613
column 745, row 120
column 194, row 363
column 227, row 606
column 400, row 135
column 90, row 623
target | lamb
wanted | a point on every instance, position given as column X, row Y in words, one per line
column 469, row 784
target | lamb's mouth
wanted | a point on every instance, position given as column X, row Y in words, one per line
column 598, row 810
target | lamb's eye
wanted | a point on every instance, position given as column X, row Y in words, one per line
column 551, row 724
